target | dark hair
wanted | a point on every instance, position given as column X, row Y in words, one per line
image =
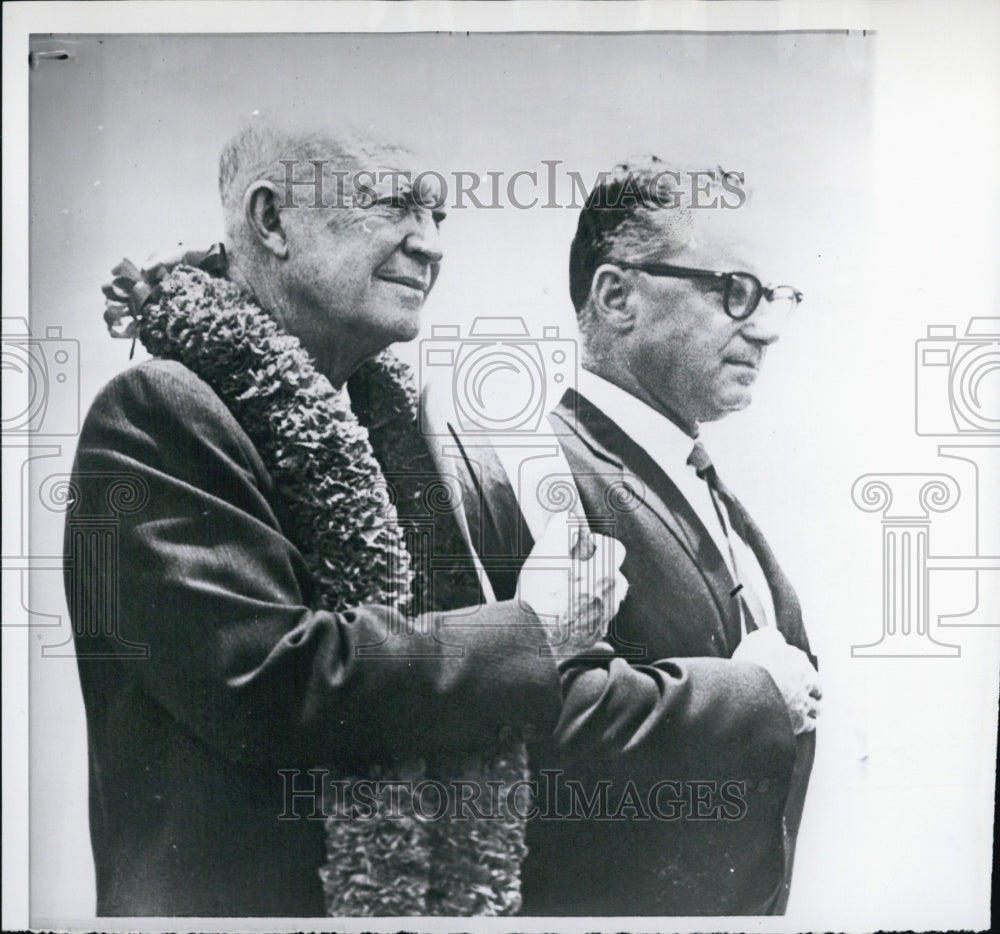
column 618, row 208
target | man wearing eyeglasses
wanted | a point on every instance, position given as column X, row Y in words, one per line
column 675, row 781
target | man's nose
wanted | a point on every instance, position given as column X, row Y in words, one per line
column 765, row 324
column 424, row 241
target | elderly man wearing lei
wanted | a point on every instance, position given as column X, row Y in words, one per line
column 271, row 567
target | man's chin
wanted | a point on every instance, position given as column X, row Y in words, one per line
column 406, row 330
column 734, row 402
column 402, row 326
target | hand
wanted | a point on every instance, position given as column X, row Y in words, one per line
column 577, row 584
column 791, row 670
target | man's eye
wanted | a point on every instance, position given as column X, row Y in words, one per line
column 406, row 203
column 396, row 202
column 708, row 285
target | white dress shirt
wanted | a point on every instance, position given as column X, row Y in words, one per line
column 670, row 447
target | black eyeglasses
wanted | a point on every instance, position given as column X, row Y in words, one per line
column 742, row 291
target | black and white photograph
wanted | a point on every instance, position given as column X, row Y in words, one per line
column 531, row 461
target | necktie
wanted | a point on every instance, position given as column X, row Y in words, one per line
column 751, row 609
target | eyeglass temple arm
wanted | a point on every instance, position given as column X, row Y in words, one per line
column 771, row 289
column 664, row 269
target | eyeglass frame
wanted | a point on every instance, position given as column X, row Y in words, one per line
column 667, row 271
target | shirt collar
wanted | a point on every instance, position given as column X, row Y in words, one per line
column 656, row 434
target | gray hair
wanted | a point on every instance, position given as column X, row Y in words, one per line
column 258, row 153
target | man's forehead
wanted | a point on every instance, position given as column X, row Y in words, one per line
column 710, row 238
column 361, row 153
column 397, row 162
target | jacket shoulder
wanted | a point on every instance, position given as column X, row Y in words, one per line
column 164, row 380
column 163, row 402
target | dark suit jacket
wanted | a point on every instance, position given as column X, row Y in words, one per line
column 662, row 701
column 205, row 672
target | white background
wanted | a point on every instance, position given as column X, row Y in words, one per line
column 872, row 164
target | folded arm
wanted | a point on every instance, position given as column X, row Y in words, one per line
column 677, row 718
column 209, row 582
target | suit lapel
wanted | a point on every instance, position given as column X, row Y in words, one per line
column 607, row 441
column 497, row 529
column 487, row 512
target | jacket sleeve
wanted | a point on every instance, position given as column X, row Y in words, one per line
column 682, row 718
column 208, row 582
column 691, row 716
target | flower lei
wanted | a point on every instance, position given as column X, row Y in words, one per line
column 349, row 519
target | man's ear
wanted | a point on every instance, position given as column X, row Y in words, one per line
column 260, row 206
column 609, row 291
